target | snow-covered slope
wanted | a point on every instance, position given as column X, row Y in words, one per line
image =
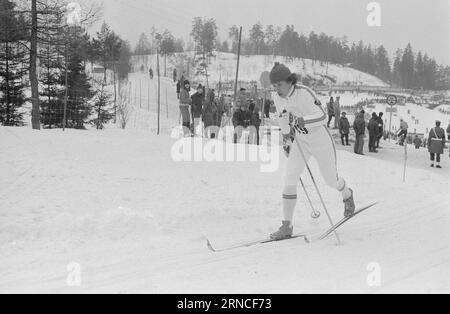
column 223, row 67
column 115, row 203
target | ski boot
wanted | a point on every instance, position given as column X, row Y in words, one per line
column 285, row 232
column 349, row 206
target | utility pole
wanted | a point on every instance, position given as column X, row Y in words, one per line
column 237, row 67
column 159, row 89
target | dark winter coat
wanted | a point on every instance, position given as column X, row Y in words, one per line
column 239, row 118
column 330, row 107
column 436, row 141
column 197, row 105
column 373, row 127
column 255, row 120
column 380, row 127
column 344, row 126
column 359, row 125
column 417, row 142
column 210, row 111
column 184, row 97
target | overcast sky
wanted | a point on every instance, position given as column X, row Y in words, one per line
column 426, row 24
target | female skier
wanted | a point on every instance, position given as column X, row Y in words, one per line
column 303, row 120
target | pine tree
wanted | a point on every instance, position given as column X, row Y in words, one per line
column 407, row 67
column 382, row 64
column 51, row 90
column 12, row 60
column 419, row 71
column 397, row 78
column 79, row 90
column 102, row 107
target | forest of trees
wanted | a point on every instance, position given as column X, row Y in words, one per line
column 41, row 50
column 407, row 70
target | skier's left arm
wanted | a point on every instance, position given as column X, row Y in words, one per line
column 317, row 116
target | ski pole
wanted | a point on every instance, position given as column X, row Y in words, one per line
column 317, row 189
column 315, row 214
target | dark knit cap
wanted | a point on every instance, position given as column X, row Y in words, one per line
column 279, row 73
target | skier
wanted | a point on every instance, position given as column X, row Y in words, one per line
column 303, row 122
column 150, row 72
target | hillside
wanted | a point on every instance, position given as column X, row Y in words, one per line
column 223, row 67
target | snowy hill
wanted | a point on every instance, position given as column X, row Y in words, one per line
column 223, row 67
column 116, row 204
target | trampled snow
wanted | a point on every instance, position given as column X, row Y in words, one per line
column 115, row 204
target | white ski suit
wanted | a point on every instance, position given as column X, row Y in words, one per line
column 318, row 143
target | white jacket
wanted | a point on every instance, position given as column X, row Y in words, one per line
column 301, row 102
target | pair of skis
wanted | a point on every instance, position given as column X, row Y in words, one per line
column 296, row 236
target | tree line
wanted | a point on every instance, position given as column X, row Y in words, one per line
column 40, row 49
column 407, row 69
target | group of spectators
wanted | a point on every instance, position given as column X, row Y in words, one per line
column 246, row 117
column 375, row 127
column 202, row 106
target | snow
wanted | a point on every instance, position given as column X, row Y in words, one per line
column 223, row 68
column 116, row 204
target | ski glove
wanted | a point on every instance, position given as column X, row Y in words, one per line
column 284, row 122
column 287, row 142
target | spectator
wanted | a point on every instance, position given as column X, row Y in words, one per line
column 360, row 131
column 436, row 144
column 373, row 133
column 330, row 107
column 267, row 103
column 175, row 75
column 448, row 134
column 185, row 102
column 380, row 130
column 179, row 86
column 151, row 74
column 344, row 129
column 254, row 124
column 337, row 112
column 417, row 142
column 243, row 98
column 239, row 122
column 197, row 107
column 210, row 115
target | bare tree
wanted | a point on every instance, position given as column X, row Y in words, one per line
column 124, row 108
